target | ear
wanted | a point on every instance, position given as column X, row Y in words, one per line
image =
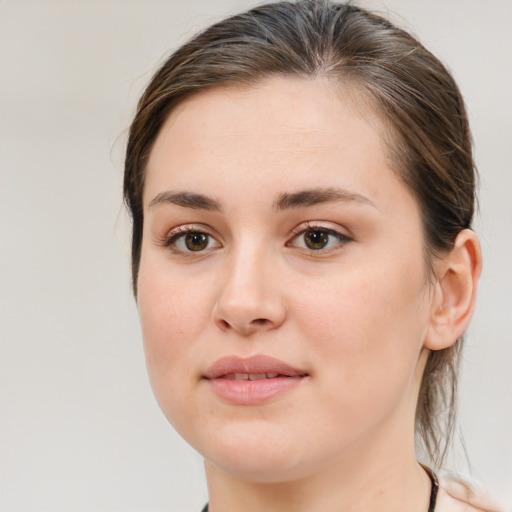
column 457, row 274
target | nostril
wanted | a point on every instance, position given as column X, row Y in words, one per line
column 253, row 324
column 224, row 324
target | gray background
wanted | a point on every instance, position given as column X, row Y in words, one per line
column 79, row 427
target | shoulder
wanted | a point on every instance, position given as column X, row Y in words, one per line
column 457, row 494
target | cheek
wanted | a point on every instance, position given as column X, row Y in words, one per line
column 362, row 304
column 173, row 313
column 367, row 329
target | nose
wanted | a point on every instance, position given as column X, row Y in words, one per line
column 250, row 298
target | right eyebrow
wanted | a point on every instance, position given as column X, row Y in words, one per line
column 186, row 200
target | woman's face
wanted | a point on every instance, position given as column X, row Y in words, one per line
column 282, row 287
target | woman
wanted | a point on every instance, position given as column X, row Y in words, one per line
column 302, row 187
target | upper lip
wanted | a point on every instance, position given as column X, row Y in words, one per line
column 254, row 364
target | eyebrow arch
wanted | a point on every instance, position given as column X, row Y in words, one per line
column 187, row 200
column 315, row 196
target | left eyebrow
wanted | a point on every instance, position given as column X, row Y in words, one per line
column 311, row 197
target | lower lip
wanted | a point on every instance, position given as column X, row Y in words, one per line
column 253, row 392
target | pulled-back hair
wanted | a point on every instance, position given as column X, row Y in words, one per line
column 428, row 142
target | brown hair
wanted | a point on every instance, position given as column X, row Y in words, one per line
column 409, row 88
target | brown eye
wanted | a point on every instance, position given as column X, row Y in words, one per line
column 186, row 240
column 196, row 241
column 316, row 239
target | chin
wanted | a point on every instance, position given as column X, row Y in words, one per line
column 255, row 456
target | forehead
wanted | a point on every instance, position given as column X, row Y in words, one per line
column 282, row 103
column 283, row 130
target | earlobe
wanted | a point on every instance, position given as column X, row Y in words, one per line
column 454, row 298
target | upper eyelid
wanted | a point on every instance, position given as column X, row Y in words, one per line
column 189, row 228
column 320, row 225
column 304, row 226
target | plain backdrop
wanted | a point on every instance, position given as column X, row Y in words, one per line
column 79, row 428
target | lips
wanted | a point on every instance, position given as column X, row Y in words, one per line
column 251, row 381
column 251, row 376
column 255, row 365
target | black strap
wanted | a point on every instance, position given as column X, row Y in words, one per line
column 433, row 489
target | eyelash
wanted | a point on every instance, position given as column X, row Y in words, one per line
column 180, row 233
column 303, row 229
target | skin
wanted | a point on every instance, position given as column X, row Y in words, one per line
column 359, row 316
